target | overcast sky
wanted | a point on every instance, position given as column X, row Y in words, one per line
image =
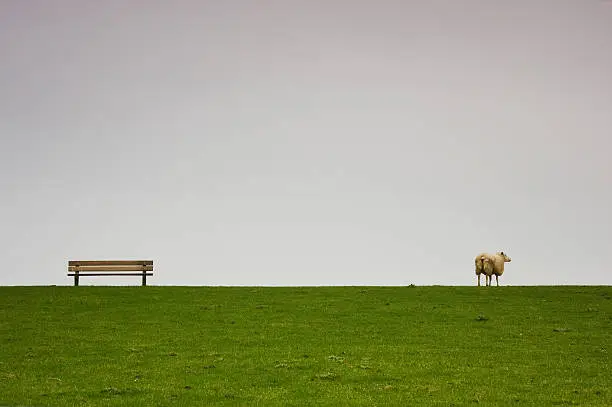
column 325, row 142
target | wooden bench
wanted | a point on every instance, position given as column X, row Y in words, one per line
column 79, row 268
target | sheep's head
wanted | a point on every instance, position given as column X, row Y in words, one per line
column 507, row 258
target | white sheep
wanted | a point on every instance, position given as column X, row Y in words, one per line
column 489, row 265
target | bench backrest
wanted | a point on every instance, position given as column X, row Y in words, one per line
column 110, row 265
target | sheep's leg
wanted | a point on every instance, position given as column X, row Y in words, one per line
column 497, row 279
column 478, row 280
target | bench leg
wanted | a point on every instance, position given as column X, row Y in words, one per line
column 76, row 279
column 144, row 278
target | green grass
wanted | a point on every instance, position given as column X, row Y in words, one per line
column 336, row 346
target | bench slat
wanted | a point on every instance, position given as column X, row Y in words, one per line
column 110, row 274
column 110, row 262
column 110, row 268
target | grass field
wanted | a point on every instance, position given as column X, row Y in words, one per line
column 336, row 346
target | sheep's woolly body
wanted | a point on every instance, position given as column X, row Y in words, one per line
column 489, row 266
column 498, row 264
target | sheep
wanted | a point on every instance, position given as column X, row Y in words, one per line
column 489, row 265
column 479, row 262
column 498, row 265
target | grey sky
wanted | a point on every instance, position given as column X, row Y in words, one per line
column 306, row 142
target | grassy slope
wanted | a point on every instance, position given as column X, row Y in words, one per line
column 129, row 346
